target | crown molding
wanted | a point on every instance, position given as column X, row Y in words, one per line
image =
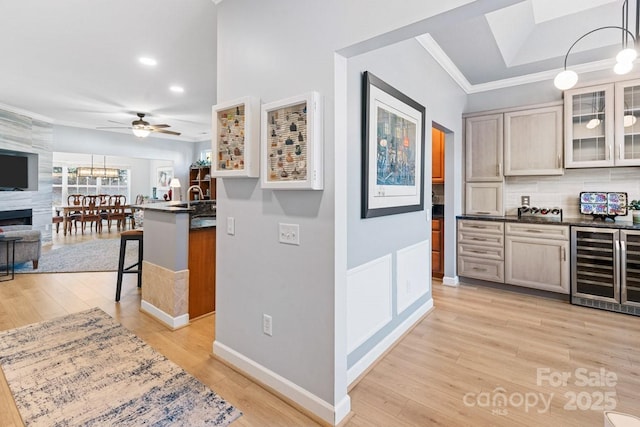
column 430, row 45
column 26, row 113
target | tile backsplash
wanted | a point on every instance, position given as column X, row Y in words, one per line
column 564, row 191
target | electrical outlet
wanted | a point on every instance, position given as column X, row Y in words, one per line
column 267, row 325
column 289, row 234
column 231, row 226
column 525, row 200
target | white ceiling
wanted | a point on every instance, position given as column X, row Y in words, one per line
column 75, row 61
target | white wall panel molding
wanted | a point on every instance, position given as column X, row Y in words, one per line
column 413, row 274
column 369, row 306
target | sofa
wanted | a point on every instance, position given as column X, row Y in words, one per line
column 27, row 249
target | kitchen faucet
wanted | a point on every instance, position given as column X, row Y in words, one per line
column 193, row 187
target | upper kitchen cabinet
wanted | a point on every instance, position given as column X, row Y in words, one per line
column 627, row 125
column 589, row 127
column 484, row 151
column 437, row 156
column 533, row 142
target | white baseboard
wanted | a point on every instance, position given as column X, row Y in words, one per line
column 172, row 322
column 363, row 364
column 451, row 281
column 283, row 386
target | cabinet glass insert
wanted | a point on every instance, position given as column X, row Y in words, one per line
column 631, row 124
column 595, row 264
column 589, row 127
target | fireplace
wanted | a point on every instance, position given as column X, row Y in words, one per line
column 16, row 217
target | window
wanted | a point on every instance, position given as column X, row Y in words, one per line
column 65, row 182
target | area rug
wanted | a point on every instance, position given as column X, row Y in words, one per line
column 85, row 369
column 92, row 255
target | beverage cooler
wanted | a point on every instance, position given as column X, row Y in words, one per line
column 605, row 268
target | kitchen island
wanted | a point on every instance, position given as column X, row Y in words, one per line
column 178, row 274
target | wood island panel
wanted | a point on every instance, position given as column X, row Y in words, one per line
column 202, row 272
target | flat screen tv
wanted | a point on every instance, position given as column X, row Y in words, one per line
column 18, row 171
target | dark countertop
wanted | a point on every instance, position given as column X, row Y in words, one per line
column 171, row 207
column 579, row 222
column 202, row 223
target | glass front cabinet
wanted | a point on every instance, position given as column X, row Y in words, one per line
column 627, row 125
column 601, row 125
column 589, row 127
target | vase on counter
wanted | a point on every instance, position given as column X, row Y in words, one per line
column 635, row 216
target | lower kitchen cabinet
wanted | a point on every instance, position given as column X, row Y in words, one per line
column 481, row 250
column 537, row 256
column 437, row 247
column 202, row 271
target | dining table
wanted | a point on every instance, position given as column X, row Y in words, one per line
column 66, row 210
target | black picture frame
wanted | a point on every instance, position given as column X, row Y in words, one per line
column 393, row 146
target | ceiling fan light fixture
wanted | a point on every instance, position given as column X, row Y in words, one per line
column 566, row 79
column 141, row 132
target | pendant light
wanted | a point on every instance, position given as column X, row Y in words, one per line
column 566, row 79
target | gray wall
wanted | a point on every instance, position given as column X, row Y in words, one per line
column 284, row 48
column 409, row 68
column 21, row 133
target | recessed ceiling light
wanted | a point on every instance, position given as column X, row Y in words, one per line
column 176, row 89
column 148, row 61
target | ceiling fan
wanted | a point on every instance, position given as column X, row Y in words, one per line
column 142, row 128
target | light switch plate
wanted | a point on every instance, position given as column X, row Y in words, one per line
column 289, row 234
column 231, row 225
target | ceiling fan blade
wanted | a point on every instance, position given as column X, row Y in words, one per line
column 170, row 132
column 113, row 121
column 160, row 126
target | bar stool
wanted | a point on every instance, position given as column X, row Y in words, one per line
column 126, row 236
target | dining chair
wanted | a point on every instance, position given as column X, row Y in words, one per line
column 90, row 213
column 74, row 200
column 115, row 211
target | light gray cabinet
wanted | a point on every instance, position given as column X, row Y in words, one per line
column 627, row 125
column 484, row 148
column 537, row 256
column 481, row 250
column 484, row 198
column 533, row 142
column 589, row 127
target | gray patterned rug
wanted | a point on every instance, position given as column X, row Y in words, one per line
column 93, row 255
column 85, row 369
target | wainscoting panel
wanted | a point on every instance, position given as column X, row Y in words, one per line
column 369, row 306
column 413, row 274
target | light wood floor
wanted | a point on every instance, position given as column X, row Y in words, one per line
column 475, row 340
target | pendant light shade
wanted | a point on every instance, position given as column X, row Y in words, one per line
column 566, row 79
column 627, row 55
column 622, row 67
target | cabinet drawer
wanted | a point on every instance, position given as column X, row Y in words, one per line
column 484, row 269
column 538, row 231
column 479, row 226
column 480, row 239
column 481, row 251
